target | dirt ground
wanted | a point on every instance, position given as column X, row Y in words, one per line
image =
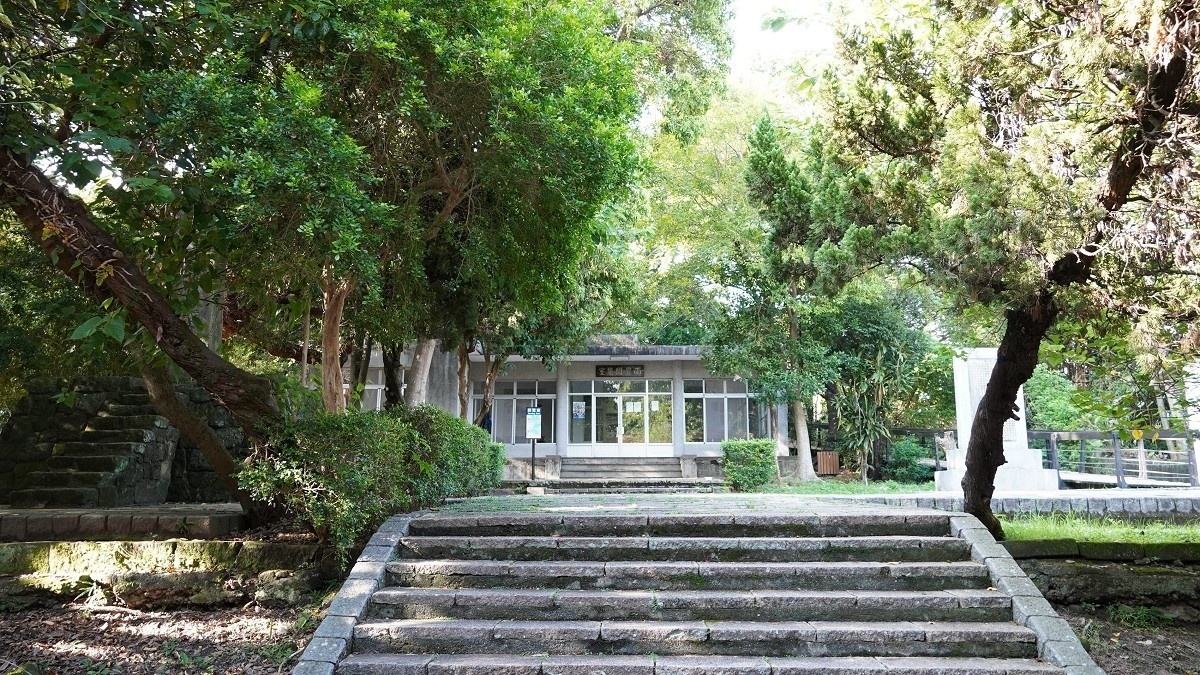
column 1131, row 644
column 81, row 640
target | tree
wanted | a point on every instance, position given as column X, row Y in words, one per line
column 1030, row 157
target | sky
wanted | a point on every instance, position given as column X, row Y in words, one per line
column 760, row 56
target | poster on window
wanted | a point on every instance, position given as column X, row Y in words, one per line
column 633, row 406
column 578, row 410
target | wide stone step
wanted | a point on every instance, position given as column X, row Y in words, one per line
column 715, row 549
column 121, row 422
column 760, row 605
column 618, row 473
column 505, row 664
column 126, row 435
column 732, row 638
column 36, row 498
column 892, row 523
column 106, row 463
column 68, row 479
column 620, row 461
column 689, row 575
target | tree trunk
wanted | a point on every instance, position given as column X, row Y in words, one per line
column 392, row 388
column 166, row 401
column 464, row 381
column 831, row 414
column 335, row 291
column 803, row 444
column 493, row 365
column 304, row 379
column 89, row 255
column 418, row 381
column 1015, row 361
column 364, row 370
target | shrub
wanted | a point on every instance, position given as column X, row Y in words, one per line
column 340, row 474
column 343, row 474
column 467, row 462
column 749, row 465
column 903, row 462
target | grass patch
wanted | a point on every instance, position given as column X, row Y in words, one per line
column 838, row 487
column 1079, row 528
column 1139, row 618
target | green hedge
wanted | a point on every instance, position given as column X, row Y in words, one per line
column 343, row 474
column 750, row 464
column 903, row 462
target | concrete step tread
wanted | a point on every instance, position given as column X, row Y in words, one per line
column 656, row 568
column 492, row 664
column 728, row 549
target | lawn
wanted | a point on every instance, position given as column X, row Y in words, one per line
column 838, row 487
column 1079, row 528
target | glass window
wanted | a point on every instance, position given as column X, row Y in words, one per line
column 633, row 419
column 607, row 386
column 714, row 386
column 547, row 387
column 693, row 386
column 760, row 419
column 660, row 419
column 548, row 419
column 607, row 418
column 737, row 418
column 520, row 405
column 581, row 419
column 502, row 420
column 504, row 388
column 526, row 388
column 735, row 386
column 375, row 376
column 714, row 420
column 477, row 387
column 693, row 420
column 660, row 386
column 580, row 386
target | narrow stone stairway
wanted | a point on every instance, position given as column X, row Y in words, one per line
column 684, row 593
column 123, row 456
column 620, row 468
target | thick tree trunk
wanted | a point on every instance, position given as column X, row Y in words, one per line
column 803, row 444
column 167, row 403
column 392, row 387
column 307, row 338
column 464, row 380
column 335, row 291
column 418, row 380
column 1015, row 361
column 89, row 255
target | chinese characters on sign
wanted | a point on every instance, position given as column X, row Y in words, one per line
column 620, row 371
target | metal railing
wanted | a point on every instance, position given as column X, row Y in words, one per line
column 1101, row 457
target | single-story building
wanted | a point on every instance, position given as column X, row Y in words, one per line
column 616, row 398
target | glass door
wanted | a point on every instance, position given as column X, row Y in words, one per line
column 633, row 419
column 608, row 419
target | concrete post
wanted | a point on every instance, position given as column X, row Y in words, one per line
column 562, row 411
column 678, row 428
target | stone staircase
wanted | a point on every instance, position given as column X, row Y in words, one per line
column 678, row 593
column 620, row 468
column 122, row 456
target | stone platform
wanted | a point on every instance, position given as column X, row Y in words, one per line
column 712, row 584
column 202, row 521
column 1148, row 503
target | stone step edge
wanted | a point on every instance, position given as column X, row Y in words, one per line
column 597, row 568
column 476, row 597
column 479, row 664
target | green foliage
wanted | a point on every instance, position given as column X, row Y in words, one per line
column 1051, row 402
column 903, row 461
column 1139, row 617
column 464, row 454
column 1102, row 530
column 749, row 464
column 842, row 487
column 342, row 474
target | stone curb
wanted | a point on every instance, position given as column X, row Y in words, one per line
column 1157, row 507
column 1057, row 643
column 335, row 635
column 95, row 558
column 1104, row 551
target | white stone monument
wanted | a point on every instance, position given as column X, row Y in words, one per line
column 1023, row 471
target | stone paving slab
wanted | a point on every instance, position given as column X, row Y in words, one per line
column 201, row 521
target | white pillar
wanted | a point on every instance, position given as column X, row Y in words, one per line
column 562, row 410
column 678, row 428
column 781, row 430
